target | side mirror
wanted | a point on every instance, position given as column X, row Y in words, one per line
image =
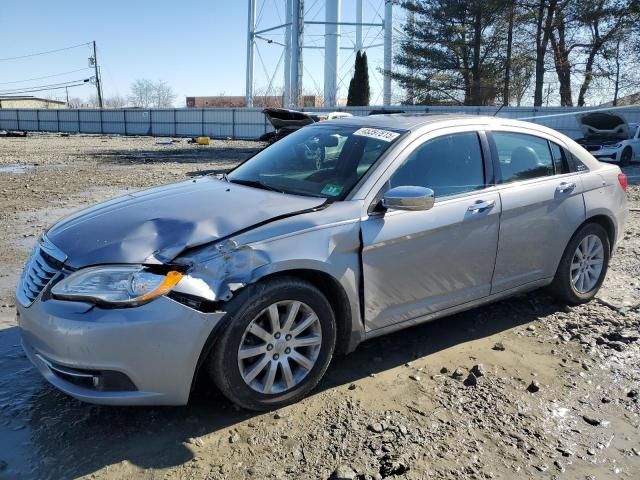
column 409, row 198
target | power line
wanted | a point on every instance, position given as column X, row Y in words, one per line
column 45, row 53
column 46, row 76
column 48, row 85
column 44, row 90
column 51, row 86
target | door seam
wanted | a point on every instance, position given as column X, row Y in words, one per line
column 495, row 258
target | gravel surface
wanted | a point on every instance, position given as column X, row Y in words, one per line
column 523, row 388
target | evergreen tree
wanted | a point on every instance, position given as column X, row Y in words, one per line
column 449, row 52
column 359, row 91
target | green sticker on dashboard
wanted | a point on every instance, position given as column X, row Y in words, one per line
column 331, row 189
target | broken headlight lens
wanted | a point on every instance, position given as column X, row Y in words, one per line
column 115, row 285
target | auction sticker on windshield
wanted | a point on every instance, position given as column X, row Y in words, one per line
column 384, row 135
column 331, row 189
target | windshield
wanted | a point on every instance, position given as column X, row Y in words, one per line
column 319, row 160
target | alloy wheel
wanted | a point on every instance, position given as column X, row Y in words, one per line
column 587, row 263
column 279, row 347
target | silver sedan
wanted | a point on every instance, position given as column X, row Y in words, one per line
column 340, row 232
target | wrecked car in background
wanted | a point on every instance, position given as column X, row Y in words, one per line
column 609, row 137
column 261, row 276
column 285, row 121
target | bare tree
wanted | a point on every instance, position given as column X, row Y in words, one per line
column 544, row 12
column 115, row 101
column 474, row 52
column 148, row 94
column 521, row 75
column 561, row 52
column 163, row 95
column 75, row 102
column 142, row 92
column 91, row 102
column 604, row 20
column 506, row 94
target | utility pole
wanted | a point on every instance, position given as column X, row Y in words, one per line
column 67, row 90
column 95, row 66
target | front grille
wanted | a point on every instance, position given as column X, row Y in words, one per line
column 593, row 148
column 44, row 264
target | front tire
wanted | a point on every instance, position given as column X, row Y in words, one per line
column 625, row 157
column 277, row 345
column 583, row 266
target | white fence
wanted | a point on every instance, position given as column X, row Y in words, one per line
column 240, row 123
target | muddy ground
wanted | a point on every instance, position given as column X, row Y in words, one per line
column 556, row 392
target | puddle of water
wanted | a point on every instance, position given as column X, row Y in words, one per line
column 19, row 382
column 19, row 169
column 15, row 168
column 56, row 165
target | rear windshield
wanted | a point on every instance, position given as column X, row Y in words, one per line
column 318, row 160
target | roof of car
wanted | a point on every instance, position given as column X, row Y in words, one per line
column 403, row 121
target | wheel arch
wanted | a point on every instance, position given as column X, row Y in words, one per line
column 605, row 222
column 599, row 219
column 335, row 294
column 349, row 330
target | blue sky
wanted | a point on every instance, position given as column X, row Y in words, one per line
column 197, row 46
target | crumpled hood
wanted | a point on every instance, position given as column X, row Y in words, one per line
column 604, row 125
column 283, row 118
column 155, row 225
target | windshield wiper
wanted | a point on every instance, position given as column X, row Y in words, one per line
column 255, row 184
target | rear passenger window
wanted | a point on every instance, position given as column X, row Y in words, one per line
column 522, row 156
column 560, row 158
column 448, row 165
column 575, row 163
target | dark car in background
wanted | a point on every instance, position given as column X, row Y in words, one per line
column 286, row 121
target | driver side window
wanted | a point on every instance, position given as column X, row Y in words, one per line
column 448, row 165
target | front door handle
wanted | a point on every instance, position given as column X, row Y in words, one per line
column 481, row 206
column 565, row 187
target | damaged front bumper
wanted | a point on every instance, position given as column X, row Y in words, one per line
column 146, row 355
column 607, row 154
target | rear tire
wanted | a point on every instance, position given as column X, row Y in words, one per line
column 583, row 265
column 286, row 329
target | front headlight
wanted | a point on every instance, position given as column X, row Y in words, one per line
column 117, row 285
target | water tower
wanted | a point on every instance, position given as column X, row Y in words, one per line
column 293, row 46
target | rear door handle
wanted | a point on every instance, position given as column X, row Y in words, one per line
column 481, row 206
column 565, row 187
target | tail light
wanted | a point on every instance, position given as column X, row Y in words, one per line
column 622, row 178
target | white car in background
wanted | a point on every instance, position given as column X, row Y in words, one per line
column 609, row 138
